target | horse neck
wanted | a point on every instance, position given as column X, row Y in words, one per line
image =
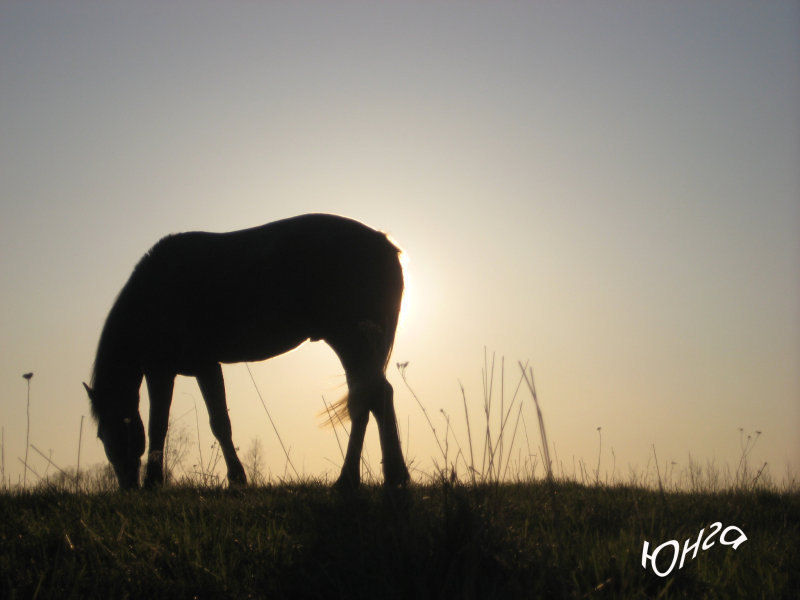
column 112, row 375
column 116, row 367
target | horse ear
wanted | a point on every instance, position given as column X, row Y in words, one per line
column 89, row 391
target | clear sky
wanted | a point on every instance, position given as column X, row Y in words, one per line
column 610, row 190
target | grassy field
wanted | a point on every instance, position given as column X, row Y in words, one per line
column 526, row 540
column 463, row 535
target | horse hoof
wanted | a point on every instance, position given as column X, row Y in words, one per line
column 152, row 485
column 346, row 484
column 237, row 478
column 237, row 482
column 397, row 480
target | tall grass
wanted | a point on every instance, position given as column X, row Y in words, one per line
column 498, row 447
column 502, row 431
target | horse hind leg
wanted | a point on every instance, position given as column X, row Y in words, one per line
column 371, row 392
column 212, row 386
column 362, row 350
column 395, row 472
column 350, row 476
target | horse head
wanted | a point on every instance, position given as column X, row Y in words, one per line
column 122, row 433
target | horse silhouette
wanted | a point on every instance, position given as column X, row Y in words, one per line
column 199, row 299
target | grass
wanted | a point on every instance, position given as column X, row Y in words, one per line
column 485, row 525
column 435, row 541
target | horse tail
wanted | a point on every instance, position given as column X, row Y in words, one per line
column 337, row 413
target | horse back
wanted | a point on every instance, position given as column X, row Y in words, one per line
column 254, row 293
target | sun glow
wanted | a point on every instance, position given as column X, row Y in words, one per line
column 407, row 308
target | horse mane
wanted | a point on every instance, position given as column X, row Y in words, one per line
column 108, row 347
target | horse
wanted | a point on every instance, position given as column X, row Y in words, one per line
column 197, row 300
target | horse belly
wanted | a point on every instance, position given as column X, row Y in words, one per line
column 245, row 336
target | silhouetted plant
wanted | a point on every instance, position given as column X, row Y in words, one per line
column 498, row 450
column 27, row 377
column 254, row 463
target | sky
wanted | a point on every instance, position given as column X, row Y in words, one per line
column 608, row 192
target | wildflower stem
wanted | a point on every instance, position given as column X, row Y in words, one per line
column 27, row 377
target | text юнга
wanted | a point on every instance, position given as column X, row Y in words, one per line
column 693, row 548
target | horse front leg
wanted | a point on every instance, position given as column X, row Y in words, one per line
column 212, row 385
column 159, row 388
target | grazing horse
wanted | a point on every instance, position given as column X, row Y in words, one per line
column 199, row 299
